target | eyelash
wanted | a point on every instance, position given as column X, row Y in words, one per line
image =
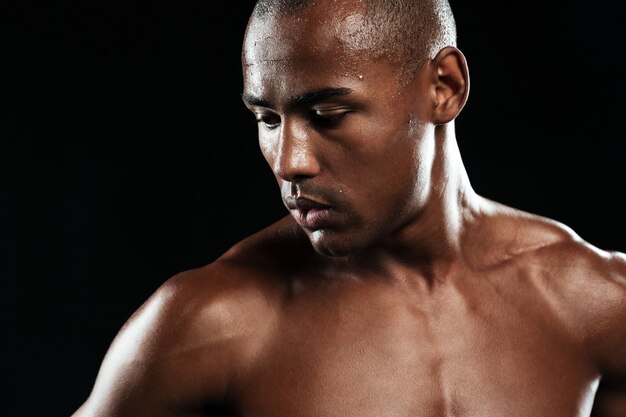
column 267, row 121
column 328, row 119
column 319, row 119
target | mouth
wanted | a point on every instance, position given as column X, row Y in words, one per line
column 309, row 214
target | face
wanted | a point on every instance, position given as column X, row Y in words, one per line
column 351, row 150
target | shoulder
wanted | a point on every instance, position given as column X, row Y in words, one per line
column 219, row 304
column 585, row 287
column 194, row 337
column 572, row 264
column 581, row 286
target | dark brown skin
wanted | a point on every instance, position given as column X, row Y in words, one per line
column 412, row 296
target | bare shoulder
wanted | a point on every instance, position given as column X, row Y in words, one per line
column 584, row 285
column 193, row 338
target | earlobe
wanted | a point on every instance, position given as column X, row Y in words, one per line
column 451, row 84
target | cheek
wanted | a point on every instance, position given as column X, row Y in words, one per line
column 266, row 147
column 390, row 155
column 398, row 176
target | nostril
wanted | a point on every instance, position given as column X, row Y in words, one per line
column 294, row 174
column 300, row 178
column 292, row 166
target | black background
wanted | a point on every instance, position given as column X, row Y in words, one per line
column 127, row 156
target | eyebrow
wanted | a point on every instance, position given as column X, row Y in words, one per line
column 300, row 99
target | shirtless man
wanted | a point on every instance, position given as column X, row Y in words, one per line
column 391, row 288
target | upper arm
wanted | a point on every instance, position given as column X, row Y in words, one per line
column 610, row 399
column 613, row 344
column 170, row 358
column 586, row 288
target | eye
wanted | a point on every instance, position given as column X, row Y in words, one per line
column 329, row 117
column 270, row 120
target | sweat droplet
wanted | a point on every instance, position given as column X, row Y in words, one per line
column 360, row 77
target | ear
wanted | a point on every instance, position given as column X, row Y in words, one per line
column 451, row 84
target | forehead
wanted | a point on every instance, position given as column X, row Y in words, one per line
column 322, row 24
column 319, row 43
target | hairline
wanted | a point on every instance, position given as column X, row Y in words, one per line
column 432, row 29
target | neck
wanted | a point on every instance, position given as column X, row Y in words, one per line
column 432, row 238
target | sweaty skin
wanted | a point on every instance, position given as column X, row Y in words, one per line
column 391, row 288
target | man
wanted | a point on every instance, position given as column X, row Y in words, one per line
column 391, row 288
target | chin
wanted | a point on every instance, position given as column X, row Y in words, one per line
column 333, row 245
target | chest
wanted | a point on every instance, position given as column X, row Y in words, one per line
column 467, row 357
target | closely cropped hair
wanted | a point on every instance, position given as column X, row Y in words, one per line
column 406, row 32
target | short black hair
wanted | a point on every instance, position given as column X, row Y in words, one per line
column 406, row 32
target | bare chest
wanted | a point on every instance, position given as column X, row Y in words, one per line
column 467, row 357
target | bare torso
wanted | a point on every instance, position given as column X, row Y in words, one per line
column 482, row 343
column 525, row 331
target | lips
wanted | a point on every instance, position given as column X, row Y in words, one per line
column 303, row 203
column 308, row 213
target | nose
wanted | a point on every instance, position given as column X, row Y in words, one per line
column 295, row 158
